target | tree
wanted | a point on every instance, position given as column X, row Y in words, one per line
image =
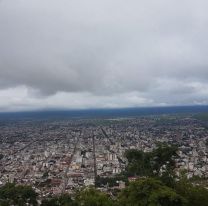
column 164, row 155
column 93, row 197
column 139, row 163
column 196, row 195
column 19, row 195
column 63, row 200
column 149, row 192
column 151, row 163
column 110, row 181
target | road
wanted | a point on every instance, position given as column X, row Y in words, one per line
column 111, row 142
column 94, row 157
column 69, row 164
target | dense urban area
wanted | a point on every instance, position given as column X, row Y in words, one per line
column 60, row 156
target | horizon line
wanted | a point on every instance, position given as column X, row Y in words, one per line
column 100, row 108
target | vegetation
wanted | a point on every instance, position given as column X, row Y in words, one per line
column 155, row 186
column 142, row 192
column 202, row 116
column 110, row 181
column 195, row 195
column 149, row 192
column 159, row 161
column 64, row 200
column 10, row 194
column 93, row 197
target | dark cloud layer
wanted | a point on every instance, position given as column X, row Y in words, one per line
column 100, row 52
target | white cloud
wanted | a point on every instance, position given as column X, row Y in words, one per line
column 102, row 53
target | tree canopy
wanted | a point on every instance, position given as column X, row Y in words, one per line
column 62, row 200
column 195, row 194
column 160, row 160
column 156, row 186
column 19, row 195
column 149, row 192
column 93, row 197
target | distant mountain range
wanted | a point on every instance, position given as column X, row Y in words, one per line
column 104, row 113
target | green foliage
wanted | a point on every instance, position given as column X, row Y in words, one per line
column 164, row 155
column 149, row 192
column 142, row 192
column 168, row 178
column 202, row 116
column 160, row 189
column 150, row 163
column 18, row 195
column 63, row 200
column 92, row 197
column 110, row 181
column 139, row 163
column 196, row 195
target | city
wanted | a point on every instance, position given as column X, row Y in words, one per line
column 60, row 156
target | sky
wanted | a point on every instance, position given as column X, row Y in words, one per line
column 76, row 54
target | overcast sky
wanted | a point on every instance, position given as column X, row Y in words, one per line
column 70, row 54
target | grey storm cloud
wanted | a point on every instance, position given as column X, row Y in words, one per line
column 106, row 48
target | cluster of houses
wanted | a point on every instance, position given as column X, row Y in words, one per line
column 62, row 155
